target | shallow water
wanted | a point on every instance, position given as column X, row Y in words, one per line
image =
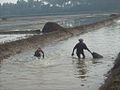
column 60, row 71
column 13, row 37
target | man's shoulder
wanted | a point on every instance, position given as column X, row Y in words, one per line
column 77, row 43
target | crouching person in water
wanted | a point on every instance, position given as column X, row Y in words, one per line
column 39, row 52
column 80, row 49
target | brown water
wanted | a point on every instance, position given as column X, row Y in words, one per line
column 60, row 71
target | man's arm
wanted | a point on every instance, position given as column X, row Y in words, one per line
column 74, row 50
column 85, row 47
column 89, row 50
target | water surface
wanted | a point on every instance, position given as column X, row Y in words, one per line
column 60, row 71
column 36, row 23
column 13, row 37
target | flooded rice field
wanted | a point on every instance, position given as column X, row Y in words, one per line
column 13, row 37
column 38, row 22
column 59, row 70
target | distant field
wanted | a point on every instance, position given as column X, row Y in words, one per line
column 37, row 22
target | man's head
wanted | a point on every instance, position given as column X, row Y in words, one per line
column 39, row 49
column 80, row 40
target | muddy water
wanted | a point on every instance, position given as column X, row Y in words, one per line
column 60, row 71
column 13, row 37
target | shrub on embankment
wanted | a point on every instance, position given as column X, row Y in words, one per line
column 11, row 48
column 113, row 80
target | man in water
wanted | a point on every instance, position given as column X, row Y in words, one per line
column 80, row 49
column 38, row 53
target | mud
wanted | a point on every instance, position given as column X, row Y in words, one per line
column 113, row 80
column 11, row 48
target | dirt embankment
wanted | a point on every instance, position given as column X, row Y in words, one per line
column 11, row 48
column 21, row 32
column 113, row 80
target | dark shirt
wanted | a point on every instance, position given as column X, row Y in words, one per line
column 37, row 54
column 80, row 47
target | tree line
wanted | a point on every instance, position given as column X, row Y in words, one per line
column 42, row 7
column 22, row 7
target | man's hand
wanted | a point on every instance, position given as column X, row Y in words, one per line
column 72, row 54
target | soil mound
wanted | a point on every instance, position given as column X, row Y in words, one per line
column 51, row 26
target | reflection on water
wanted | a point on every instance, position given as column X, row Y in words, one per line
column 95, row 61
column 81, row 69
column 59, row 71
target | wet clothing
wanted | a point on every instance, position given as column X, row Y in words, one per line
column 38, row 53
column 80, row 49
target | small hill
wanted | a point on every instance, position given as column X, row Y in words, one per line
column 51, row 27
